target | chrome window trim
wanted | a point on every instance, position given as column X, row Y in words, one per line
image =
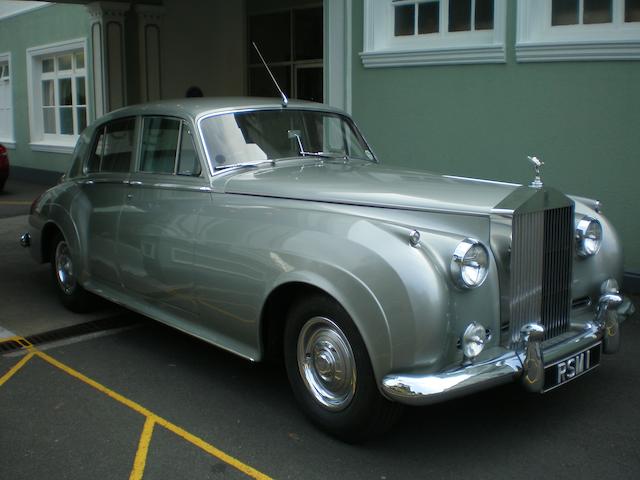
column 183, row 122
column 203, row 116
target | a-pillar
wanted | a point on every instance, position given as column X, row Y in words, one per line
column 109, row 55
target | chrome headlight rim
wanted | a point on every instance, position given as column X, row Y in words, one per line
column 588, row 236
column 462, row 263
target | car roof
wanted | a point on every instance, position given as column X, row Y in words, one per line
column 196, row 107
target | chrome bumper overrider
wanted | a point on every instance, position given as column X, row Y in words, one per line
column 25, row 240
column 525, row 363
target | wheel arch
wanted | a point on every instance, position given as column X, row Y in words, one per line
column 356, row 299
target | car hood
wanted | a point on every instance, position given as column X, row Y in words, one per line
column 370, row 185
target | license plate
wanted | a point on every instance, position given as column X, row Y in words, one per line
column 569, row 368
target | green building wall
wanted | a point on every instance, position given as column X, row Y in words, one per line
column 51, row 24
column 581, row 118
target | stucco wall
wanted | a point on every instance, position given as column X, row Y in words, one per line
column 19, row 33
column 581, row 118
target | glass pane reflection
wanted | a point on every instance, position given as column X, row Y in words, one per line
column 459, row 15
column 428, row 17
column 597, row 11
column 66, row 120
column 632, row 11
column 564, row 12
column 404, row 20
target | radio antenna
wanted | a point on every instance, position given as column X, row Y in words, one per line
column 285, row 101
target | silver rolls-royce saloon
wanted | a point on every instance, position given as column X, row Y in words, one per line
column 271, row 230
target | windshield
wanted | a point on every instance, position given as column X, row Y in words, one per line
column 264, row 135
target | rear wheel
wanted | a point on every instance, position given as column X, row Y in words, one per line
column 70, row 292
column 331, row 374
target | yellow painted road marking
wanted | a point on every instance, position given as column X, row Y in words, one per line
column 14, row 202
column 197, row 441
column 210, row 449
column 15, row 368
column 143, row 448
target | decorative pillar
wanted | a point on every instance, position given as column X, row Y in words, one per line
column 107, row 21
column 149, row 20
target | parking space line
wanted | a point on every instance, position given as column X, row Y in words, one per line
column 193, row 439
column 13, row 370
column 143, row 448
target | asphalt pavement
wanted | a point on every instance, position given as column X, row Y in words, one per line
column 131, row 398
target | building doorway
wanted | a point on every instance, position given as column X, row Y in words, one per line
column 291, row 41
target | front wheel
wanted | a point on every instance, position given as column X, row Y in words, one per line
column 63, row 270
column 330, row 372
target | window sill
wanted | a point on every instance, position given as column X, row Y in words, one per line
column 10, row 144
column 577, row 51
column 437, row 56
column 53, row 147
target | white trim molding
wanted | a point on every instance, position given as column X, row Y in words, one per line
column 10, row 9
column 540, row 41
column 39, row 140
column 7, row 138
column 383, row 49
column 337, row 58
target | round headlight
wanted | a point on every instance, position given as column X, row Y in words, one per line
column 588, row 236
column 473, row 340
column 470, row 263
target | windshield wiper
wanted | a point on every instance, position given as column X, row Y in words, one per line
column 244, row 165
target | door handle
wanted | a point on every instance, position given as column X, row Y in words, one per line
column 129, row 197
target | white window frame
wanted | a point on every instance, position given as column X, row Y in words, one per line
column 538, row 41
column 383, row 49
column 40, row 141
column 9, row 140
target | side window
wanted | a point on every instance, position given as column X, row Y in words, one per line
column 93, row 165
column 159, row 145
column 113, row 147
column 188, row 163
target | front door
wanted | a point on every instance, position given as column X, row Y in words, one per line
column 159, row 218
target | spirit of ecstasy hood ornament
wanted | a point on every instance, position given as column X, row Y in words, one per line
column 537, row 163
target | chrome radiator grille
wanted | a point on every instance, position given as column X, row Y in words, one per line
column 541, row 259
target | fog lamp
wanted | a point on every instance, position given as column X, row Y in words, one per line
column 473, row 340
column 588, row 236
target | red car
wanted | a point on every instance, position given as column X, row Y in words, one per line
column 4, row 166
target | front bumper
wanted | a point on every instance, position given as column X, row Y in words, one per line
column 504, row 365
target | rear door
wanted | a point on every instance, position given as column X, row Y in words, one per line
column 103, row 190
column 160, row 215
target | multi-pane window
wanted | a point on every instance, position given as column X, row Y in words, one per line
column 433, row 32
column 589, row 12
column 562, row 30
column 435, row 16
column 291, row 42
column 6, row 113
column 64, row 93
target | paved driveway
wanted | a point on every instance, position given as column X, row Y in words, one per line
column 118, row 396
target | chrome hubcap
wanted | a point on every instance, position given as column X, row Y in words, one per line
column 64, row 268
column 326, row 363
